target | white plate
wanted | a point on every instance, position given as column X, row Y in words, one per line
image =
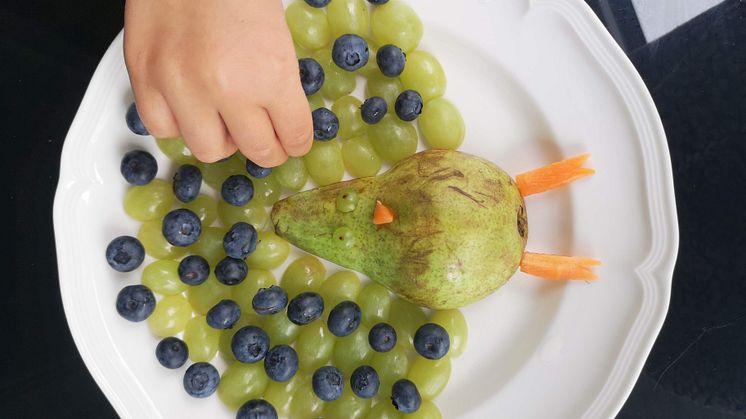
column 536, row 81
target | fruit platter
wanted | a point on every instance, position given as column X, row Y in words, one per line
column 437, row 253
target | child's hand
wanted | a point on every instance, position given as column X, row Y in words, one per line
column 221, row 73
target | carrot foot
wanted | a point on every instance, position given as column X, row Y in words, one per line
column 558, row 268
column 553, row 176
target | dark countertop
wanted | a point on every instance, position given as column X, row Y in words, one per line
column 696, row 74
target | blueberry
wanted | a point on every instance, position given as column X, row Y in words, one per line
column 364, row 382
column 135, row 303
column 181, row 227
column 257, row 409
column 325, row 124
column 134, row 122
column 270, row 300
column 172, row 352
column 187, row 181
column 250, row 344
column 344, row 319
column 378, row 1
column 257, row 171
column 138, row 167
column 194, row 270
column 350, row 52
column 391, row 60
column 223, row 315
column 328, row 383
column 125, row 254
column 281, row 363
column 432, row 341
column 240, row 241
column 373, row 109
column 201, row 380
column 382, row 337
column 405, row 397
column 231, row 271
column 408, row 105
column 311, row 75
column 237, row 190
column 317, row 3
column 305, row 308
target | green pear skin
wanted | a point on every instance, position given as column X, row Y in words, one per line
column 458, row 235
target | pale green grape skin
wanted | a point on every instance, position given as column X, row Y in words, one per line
column 371, row 68
column 359, row 157
column 253, row 213
column 442, row 125
column 204, row 296
column 149, row 202
column 201, row 339
column 337, row 82
column 271, row 251
column 430, row 377
column 348, row 16
column 305, row 404
column 292, row 174
column 387, row 88
column 266, row 190
column 242, row 382
column 391, row 366
column 340, row 286
column 151, row 237
column 280, row 394
column 324, row 162
column 427, row 410
column 393, row 139
column 214, row 174
column 176, row 150
column 384, row 409
column 304, row 274
column 280, row 329
column 375, row 304
column 244, row 292
column 210, row 245
column 205, row 208
column 458, row 330
column 349, row 406
column 406, row 319
column 316, row 101
column 352, row 351
column 396, row 23
column 162, row 277
column 316, row 345
column 347, row 109
column 300, row 52
column 308, row 26
column 424, row 74
column 170, row 316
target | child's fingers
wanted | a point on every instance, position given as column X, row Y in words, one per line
column 155, row 113
column 202, row 128
column 291, row 118
column 254, row 135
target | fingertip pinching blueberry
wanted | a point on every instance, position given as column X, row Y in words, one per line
column 138, row 167
column 125, row 254
column 373, row 110
column 135, row 303
column 257, row 171
column 134, row 122
column 187, row 183
column 270, row 300
column 350, row 52
column 237, row 190
column 432, row 341
column 194, row 270
column 250, row 344
column 365, row 382
column 391, row 60
column 240, row 240
column 231, row 271
column 311, row 75
column 181, row 227
column 257, row 409
column 405, row 396
column 408, row 105
column 201, row 379
column 223, row 315
column 344, row 319
column 305, row 308
column 281, row 363
column 325, row 124
column 328, row 383
column 172, row 352
column 382, row 337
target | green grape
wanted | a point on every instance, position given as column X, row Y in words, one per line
column 337, row 82
column 387, row 88
column 340, row 286
column 210, row 245
column 305, row 404
column 148, row 202
column 304, row 274
column 176, row 150
column 348, row 406
column 344, row 237
column 393, row 139
column 424, row 74
column 280, row 329
column 244, row 292
column 292, row 174
column 455, row 324
column 406, row 319
column 427, row 410
column 308, row 25
column 204, row 296
column 151, row 237
column 430, row 377
column 360, row 159
column 352, row 351
column 375, row 303
column 371, row 67
column 214, row 174
column 324, row 162
column 280, row 394
column 162, row 277
column 242, row 382
column 271, row 251
column 315, row 344
column 348, row 16
column 391, row 366
column 347, row 109
column 347, row 200
column 384, row 409
column 396, row 23
column 441, row 124
column 300, row 52
column 266, row 190
column 201, row 339
column 315, row 101
column 170, row 316
column 253, row 213
column 206, row 209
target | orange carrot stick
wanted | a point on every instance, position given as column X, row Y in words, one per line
column 553, row 176
column 382, row 214
column 557, row 268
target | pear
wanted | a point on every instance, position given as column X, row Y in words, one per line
column 458, row 234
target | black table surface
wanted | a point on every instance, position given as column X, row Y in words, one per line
column 697, row 77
